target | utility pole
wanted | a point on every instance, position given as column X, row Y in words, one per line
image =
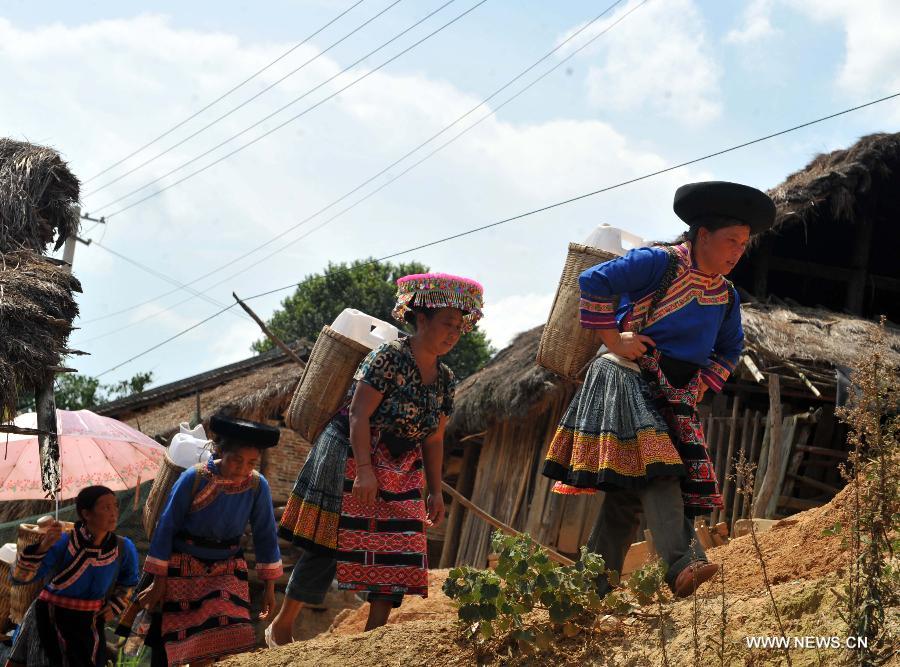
column 69, row 247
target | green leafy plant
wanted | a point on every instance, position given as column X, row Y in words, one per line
column 497, row 603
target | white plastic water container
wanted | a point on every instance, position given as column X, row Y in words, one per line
column 364, row 329
column 189, row 446
column 614, row 240
column 8, row 553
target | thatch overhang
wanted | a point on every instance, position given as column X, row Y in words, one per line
column 259, row 388
column 834, row 243
column 38, row 197
column 779, row 339
column 37, row 307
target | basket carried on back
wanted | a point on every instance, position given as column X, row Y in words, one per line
column 325, row 382
column 565, row 346
column 21, row 597
column 169, row 472
column 4, row 593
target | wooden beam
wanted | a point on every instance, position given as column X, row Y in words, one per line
column 773, row 465
column 272, row 337
column 48, row 440
column 823, row 451
column 799, row 504
column 496, row 523
column 752, row 367
column 815, row 484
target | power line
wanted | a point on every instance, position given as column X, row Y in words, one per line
column 291, row 119
column 225, row 94
column 161, row 276
column 406, row 155
column 244, row 103
column 532, row 212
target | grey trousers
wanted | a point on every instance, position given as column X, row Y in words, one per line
column 673, row 533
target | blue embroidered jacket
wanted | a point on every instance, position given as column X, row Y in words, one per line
column 81, row 575
column 689, row 323
column 219, row 511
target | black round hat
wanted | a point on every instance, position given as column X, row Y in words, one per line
column 253, row 434
column 745, row 204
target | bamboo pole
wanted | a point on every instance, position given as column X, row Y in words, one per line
column 496, row 523
column 272, row 337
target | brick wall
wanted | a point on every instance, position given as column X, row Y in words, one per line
column 282, row 464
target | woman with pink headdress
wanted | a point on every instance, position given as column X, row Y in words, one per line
column 357, row 508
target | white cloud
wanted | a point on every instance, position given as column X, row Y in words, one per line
column 514, row 314
column 118, row 83
column 657, row 59
column 871, row 64
column 756, row 24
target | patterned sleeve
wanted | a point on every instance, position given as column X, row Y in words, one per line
column 33, row 565
column 449, row 391
column 728, row 347
column 635, row 273
column 128, row 577
column 379, row 369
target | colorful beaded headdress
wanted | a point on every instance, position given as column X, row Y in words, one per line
column 440, row 290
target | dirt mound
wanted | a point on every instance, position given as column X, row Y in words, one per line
column 795, row 548
column 436, row 606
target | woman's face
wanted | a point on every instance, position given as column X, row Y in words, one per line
column 236, row 465
column 441, row 331
column 720, row 251
column 104, row 517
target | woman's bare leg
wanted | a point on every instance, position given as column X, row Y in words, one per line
column 379, row 610
column 283, row 624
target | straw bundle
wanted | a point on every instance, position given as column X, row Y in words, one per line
column 36, row 310
column 165, row 479
column 38, row 195
column 325, row 382
column 4, row 592
column 21, row 597
column 565, row 346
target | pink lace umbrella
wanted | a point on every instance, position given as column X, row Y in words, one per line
column 93, row 450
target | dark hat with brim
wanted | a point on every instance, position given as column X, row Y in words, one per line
column 745, row 205
column 252, row 434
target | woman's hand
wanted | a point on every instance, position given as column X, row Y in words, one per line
column 435, row 505
column 107, row 613
column 150, row 597
column 365, row 486
column 701, row 390
column 630, row 345
column 268, row 602
column 54, row 532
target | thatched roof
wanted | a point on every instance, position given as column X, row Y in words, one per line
column 509, row 386
column 812, row 340
column 36, row 311
column 38, row 196
column 836, row 185
column 258, row 388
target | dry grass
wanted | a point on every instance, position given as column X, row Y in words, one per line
column 38, row 195
column 36, row 310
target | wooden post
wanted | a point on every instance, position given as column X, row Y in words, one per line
column 48, row 440
column 859, row 259
column 454, row 521
column 736, row 500
column 728, row 483
column 754, row 459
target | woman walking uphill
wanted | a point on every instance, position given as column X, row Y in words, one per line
column 199, row 597
column 672, row 325
column 357, row 508
column 89, row 572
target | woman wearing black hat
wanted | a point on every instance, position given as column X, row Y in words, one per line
column 671, row 323
column 199, row 572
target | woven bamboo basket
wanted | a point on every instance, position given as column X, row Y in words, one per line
column 21, row 597
column 566, row 347
column 165, row 479
column 4, row 593
column 325, row 382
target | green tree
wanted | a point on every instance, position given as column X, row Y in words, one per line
column 75, row 391
column 367, row 286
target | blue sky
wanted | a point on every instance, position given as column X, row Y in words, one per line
column 673, row 80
